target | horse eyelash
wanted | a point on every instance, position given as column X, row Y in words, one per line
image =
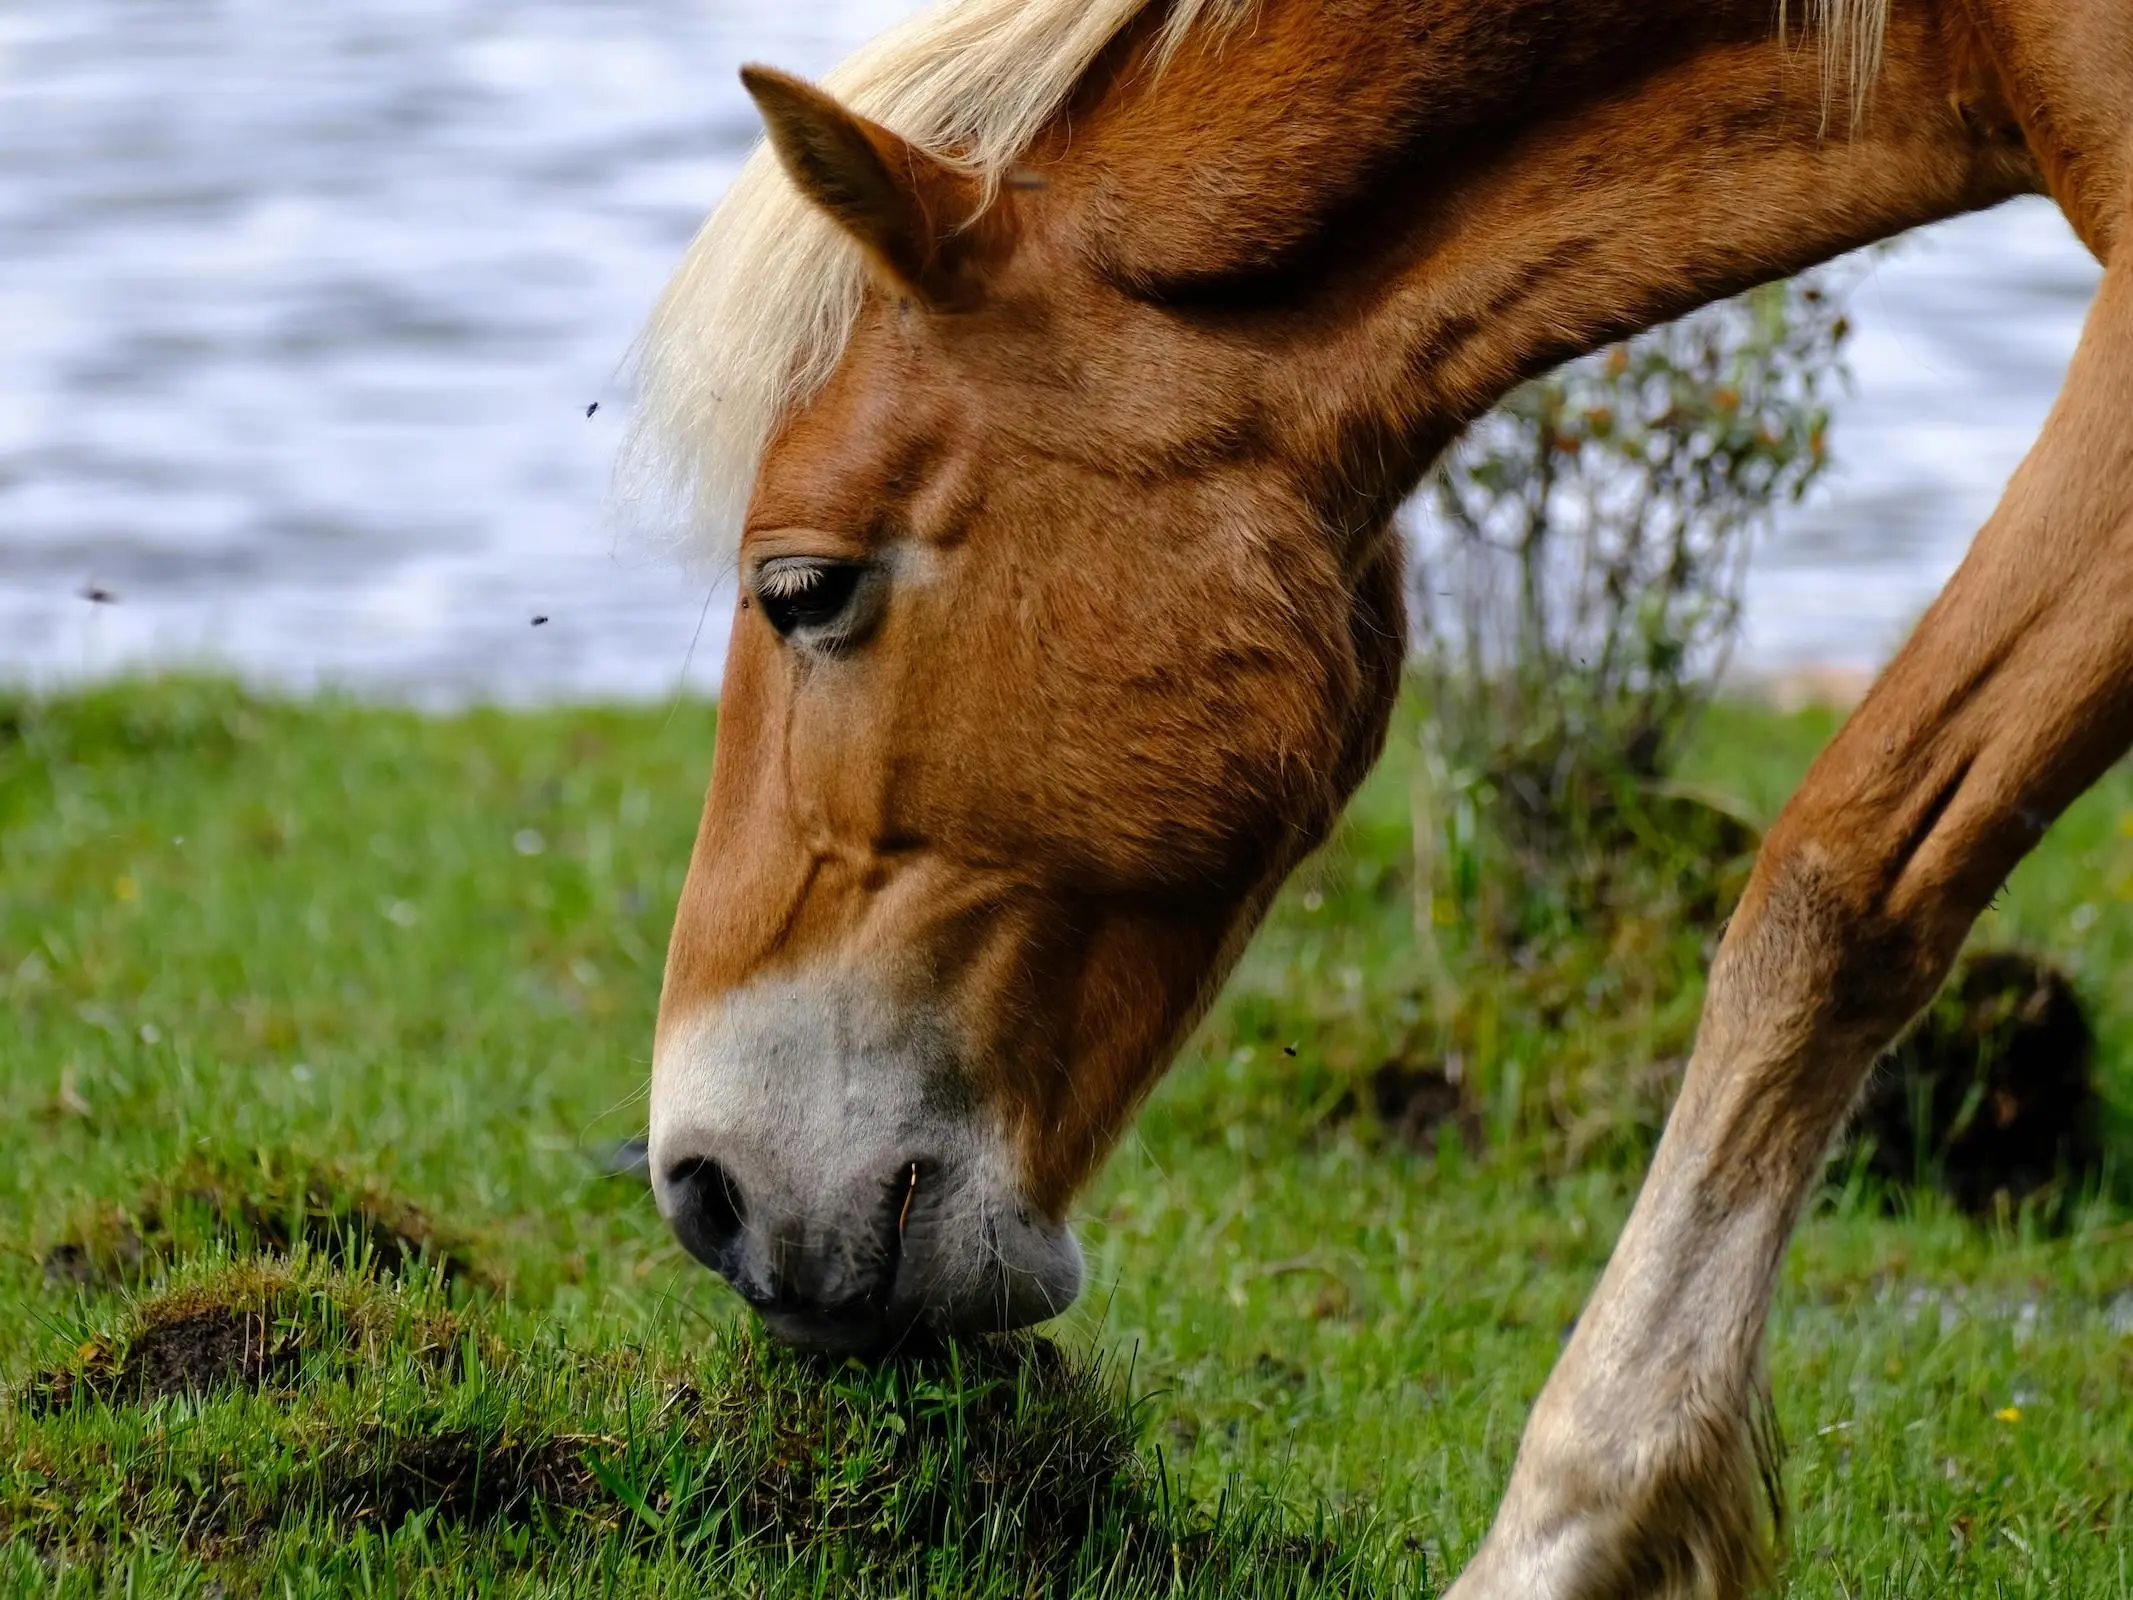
column 788, row 583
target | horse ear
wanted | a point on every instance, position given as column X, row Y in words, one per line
column 904, row 205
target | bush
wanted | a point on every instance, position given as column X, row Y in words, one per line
column 1579, row 574
column 1578, row 571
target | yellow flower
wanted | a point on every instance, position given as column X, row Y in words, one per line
column 2009, row 1413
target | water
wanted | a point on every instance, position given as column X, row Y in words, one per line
column 302, row 307
column 1963, row 333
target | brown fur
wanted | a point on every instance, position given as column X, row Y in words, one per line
column 1134, row 478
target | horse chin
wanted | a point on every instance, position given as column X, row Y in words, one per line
column 1031, row 1275
column 1011, row 1271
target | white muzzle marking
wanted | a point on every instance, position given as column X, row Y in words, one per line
column 820, row 1146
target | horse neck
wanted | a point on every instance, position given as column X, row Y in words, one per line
column 1404, row 208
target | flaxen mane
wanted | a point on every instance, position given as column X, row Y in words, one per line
column 1852, row 34
column 758, row 314
column 759, row 311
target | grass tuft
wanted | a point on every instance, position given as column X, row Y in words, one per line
column 265, row 1204
column 369, row 1404
column 247, row 1324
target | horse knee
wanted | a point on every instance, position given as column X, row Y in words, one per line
column 1874, row 962
column 1819, row 970
column 1839, row 925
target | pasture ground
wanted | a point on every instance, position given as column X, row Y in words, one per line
column 310, row 1015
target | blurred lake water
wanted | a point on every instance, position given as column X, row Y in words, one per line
column 302, row 308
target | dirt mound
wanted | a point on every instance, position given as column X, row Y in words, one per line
column 271, row 1208
column 1418, row 1105
column 1008, row 1453
column 1011, row 1440
column 189, row 1349
column 462, row 1475
column 247, row 1328
column 1992, row 1098
column 215, row 1347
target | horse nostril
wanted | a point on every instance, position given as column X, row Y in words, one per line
column 707, row 1209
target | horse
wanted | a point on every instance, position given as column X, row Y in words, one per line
column 1052, row 376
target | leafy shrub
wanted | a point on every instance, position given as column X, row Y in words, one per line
column 1578, row 572
column 1579, row 577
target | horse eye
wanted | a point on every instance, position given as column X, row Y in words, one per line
column 806, row 596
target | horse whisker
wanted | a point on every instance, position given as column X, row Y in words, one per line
column 910, row 1194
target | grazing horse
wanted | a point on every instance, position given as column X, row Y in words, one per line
column 1054, row 376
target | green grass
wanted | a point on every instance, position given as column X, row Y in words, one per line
column 313, row 1013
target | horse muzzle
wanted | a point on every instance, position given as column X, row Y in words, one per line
column 820, row 1151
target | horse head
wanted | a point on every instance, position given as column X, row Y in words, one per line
column 1045, row 671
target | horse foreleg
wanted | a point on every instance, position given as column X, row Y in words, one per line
column 1648, row 1462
